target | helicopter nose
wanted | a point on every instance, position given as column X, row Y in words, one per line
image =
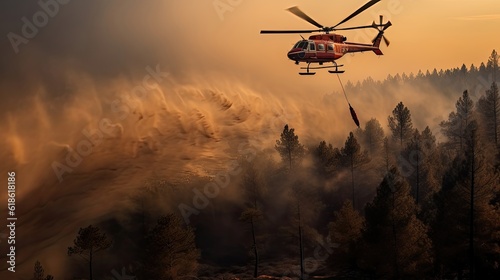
column 296, row 54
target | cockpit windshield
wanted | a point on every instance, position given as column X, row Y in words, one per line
column 301, row 45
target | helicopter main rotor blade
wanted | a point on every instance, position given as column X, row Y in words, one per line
column 357, row 27
column 296, row 11
column 287, row 31
column 358, row 11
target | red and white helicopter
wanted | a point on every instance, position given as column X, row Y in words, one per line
column 328, row 47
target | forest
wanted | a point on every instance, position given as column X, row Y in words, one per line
column 393, row 201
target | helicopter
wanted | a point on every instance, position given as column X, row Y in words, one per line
column 328, row 47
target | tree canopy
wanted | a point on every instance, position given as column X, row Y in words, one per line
column 400, row 123
column 289, row 147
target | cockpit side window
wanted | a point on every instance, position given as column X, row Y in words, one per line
column 312, row 47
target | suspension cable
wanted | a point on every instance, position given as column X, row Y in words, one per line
column 353, row 113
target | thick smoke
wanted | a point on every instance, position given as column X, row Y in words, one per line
column 105, row 142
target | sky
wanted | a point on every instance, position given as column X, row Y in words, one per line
column 221, row 35
column 213, row 83
column 424, row 35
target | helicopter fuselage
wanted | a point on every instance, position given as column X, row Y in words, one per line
column 326, row 48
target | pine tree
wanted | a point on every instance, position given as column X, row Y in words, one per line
column 39, row 273
column 387, row 154
column 418, row 162
column 431, row 165
column 473, row 69
column 253, row 187
column 482, row 68
column 305, row 207
column 462, row 75
column 428, row 139
column 455, row 127
column 493, row 64
column 393, row 228
column 413, row 158
column 373, row 137
column 488, row 107
column 326, row 158
column 352, row 157
column 171, row 250
column 345, row 230
column 289, row 147
column 463, row 233
column 301, row 239
column 400, row 123
column 450, row 227
column 88, row 242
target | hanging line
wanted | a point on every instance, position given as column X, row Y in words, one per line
column 353, row 113
column 343, row 90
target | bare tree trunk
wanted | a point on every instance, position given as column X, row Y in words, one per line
column 396, row 264
column 301, row 247
column 90, row 264
column 495, row 121
column 386, row 149
column 471, row 225
column 418, row 174
column 401, row 137
column 352, row 181
column 143, row 210
column 255, row 251
column 461, row 136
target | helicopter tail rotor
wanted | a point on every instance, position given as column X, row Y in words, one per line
column 381, row 28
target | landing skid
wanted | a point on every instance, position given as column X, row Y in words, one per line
column 308, row 68
column 307, row 73
column 336, row 71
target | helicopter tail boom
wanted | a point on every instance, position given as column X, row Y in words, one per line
column 378, row 52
